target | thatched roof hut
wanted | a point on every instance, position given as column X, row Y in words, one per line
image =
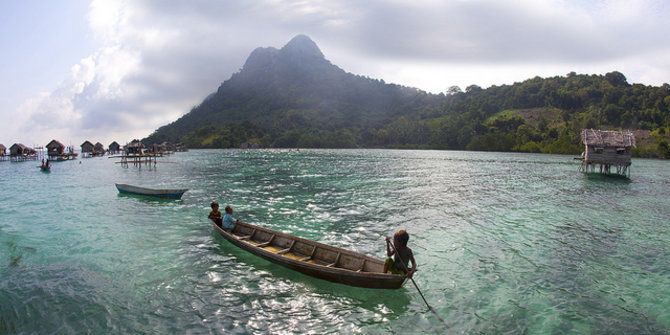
column 114, row 148
column 607, row 148
column 162, row 148
column 3, row 150
column 98, row 149
column 21, row 152
column 87, row 147
column 135, row 147
column 166, row 146
column 180, row 147
column 18, row 149
column 55, row 148
column 605, row 138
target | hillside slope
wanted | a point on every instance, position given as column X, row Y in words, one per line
column 293, row 87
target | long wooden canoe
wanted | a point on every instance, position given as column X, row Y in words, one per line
column 312, row 258
column 160, row 193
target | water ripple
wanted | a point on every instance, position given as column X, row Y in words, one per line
column 506, row 243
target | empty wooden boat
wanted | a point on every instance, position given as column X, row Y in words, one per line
column 160, row 193
column 312, row 258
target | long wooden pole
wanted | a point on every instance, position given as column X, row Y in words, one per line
column 417, row 286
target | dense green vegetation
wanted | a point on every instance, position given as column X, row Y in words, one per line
column 294, row 97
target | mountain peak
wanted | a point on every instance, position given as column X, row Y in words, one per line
column 301, row 45
column 299, row 52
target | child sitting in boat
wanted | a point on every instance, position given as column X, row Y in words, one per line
column 401, row 258
column 228, row 220
column 215, row 214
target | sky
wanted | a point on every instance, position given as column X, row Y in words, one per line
column 116, row 70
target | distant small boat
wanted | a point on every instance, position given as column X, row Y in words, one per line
column 45, row 168
column 160, row 193
column 312, row 258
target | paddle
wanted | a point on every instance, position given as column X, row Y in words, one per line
column 415, row 285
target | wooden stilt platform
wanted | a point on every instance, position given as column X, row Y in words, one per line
column 137, row 160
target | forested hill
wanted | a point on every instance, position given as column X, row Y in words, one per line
column 294, row 97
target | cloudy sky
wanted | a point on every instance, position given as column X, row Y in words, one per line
column 114, row 70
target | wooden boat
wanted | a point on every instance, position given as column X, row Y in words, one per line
column 160, row 193
column 66, row 157
column 312, row 258
column 45, row 168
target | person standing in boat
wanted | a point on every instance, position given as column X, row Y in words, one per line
column 215, row 214
column 228, row 220
column 400, row 261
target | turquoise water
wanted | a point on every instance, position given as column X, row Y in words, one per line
column 505, row 243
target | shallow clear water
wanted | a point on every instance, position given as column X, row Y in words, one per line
column 505, row 243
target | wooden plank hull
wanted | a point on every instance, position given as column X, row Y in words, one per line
column 312, row 258
column 164, row 193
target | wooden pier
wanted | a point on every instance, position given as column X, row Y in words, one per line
column 137, row 160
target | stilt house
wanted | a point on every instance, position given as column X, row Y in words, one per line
column 135, row 147
column 3, row 152
column 180, row 147
column 607, row 149
column 98, row 149
column 20, row 152
column 87, row 149
column 166, row 147
column 55, row 149
column 114, row 148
